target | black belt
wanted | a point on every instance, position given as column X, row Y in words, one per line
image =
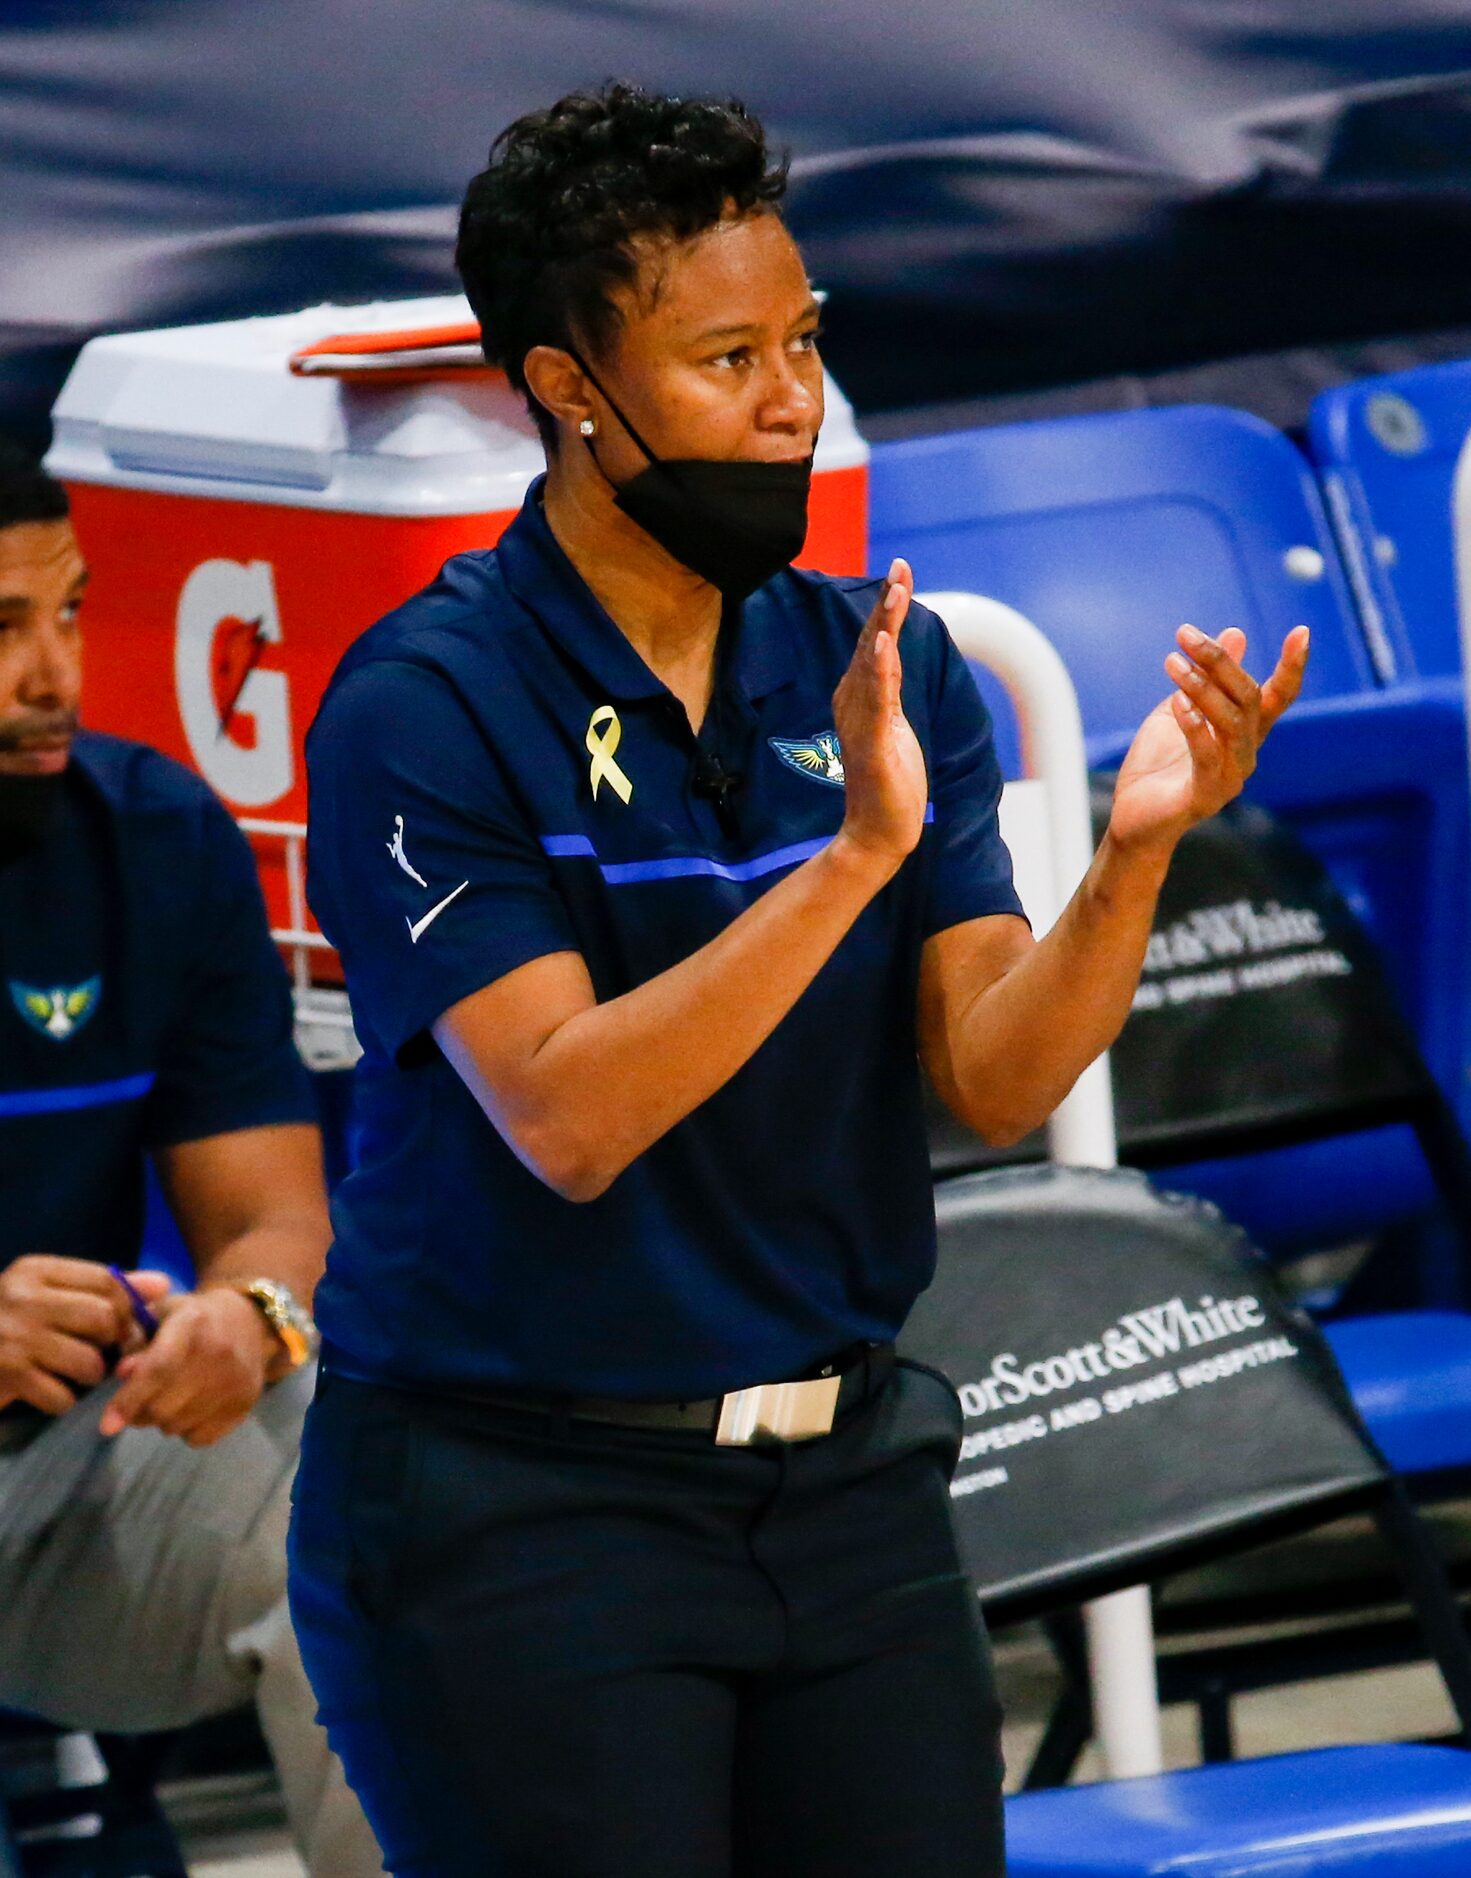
column 790, row 1411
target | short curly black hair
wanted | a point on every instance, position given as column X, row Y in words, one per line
column 28, row 493
column 547, row 228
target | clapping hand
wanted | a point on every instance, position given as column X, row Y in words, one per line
column 884, row 769
column 1194, row 752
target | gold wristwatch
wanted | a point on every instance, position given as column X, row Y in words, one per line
column 292, row 1324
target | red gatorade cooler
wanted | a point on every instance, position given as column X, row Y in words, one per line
column 250, row 495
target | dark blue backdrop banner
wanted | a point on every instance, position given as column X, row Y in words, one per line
column 997, row 196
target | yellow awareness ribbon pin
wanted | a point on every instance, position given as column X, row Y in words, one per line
column 602, row 744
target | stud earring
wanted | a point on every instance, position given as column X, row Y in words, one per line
column 587, row 427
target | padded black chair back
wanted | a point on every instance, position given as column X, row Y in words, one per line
column 1136, row 1391
column 1139, row 1398
column 1263, row 1019
column 1263, row 1015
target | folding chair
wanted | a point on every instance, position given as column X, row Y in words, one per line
column 1288, row 1035
column 1302, row 1039
column 1264, row 1022
column 1365, row 1032
column 1138, row 1398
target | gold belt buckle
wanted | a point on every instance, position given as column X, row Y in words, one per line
column 778, row 1411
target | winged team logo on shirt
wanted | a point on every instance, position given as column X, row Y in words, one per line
column 60, row 1012
column 819, row 757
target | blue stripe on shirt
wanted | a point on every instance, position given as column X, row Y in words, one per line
column 682, row 866
column 91, row 1095
column 678, row 866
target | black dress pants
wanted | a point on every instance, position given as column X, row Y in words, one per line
column 548, row 1648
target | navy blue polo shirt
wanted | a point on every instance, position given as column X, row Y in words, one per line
column 455, row 834
column 142, row 1002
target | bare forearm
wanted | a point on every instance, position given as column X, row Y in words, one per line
column 290, row 1251
column 612, row 1078
column 252, row 1204
column 1020, row 1045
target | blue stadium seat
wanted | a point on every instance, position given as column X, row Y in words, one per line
column 1363, row 1812
column 1410, row 1376
column 1107, row 532
column 1386, row 450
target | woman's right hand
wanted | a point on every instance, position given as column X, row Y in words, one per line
column 883, row 764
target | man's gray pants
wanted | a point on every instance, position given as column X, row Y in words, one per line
column 143, row 1586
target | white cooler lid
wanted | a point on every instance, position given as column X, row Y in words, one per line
column 216, row 411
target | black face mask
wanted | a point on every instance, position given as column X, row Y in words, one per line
column 734, row 524
column 27, row 804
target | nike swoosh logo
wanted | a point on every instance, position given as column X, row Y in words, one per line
column 416, row 932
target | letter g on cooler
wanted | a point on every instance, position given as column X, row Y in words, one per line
column 238, row 729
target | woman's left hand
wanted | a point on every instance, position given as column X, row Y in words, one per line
column 1195, row 751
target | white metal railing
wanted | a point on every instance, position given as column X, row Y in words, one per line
column 324, row 1033
column 297, row 939
column 1081, row 1132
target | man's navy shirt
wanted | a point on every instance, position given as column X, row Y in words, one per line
column 455, row 835
column 142, row 1003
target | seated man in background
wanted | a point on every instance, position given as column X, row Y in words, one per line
column 147, row 1437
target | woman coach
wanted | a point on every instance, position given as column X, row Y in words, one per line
column 655, row 866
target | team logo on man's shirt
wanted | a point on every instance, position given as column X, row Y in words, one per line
column 60, row 1012
column 820, row 758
